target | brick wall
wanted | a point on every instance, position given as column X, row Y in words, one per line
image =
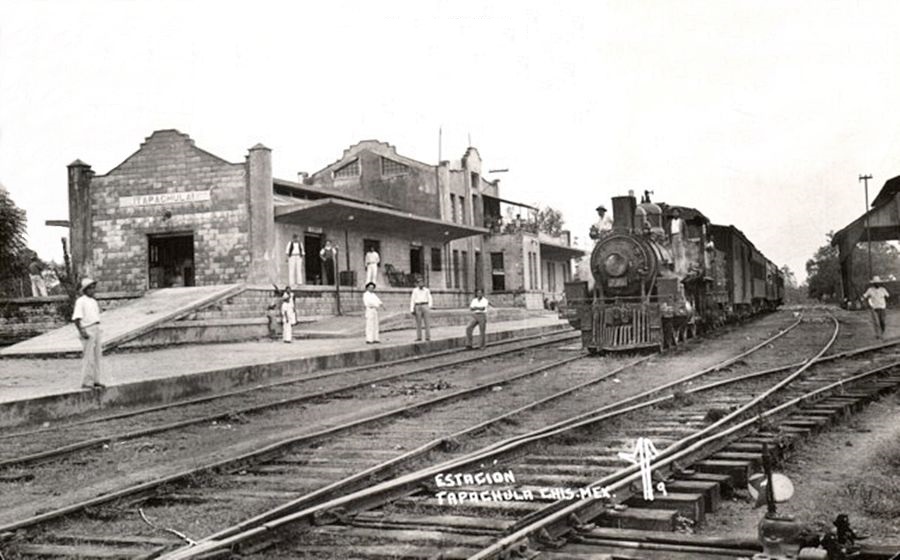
column 168, row 162
column 23, row 318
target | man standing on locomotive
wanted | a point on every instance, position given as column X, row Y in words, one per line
column 603, row 225
column 676, row 236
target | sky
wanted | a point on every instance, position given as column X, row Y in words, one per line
column 760, row 114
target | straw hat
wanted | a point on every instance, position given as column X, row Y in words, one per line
column 85, row 282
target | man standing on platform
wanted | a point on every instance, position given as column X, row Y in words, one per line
column 479, row 307
column 371, row 302
column 295, row 254
column 420, row 304
column 373, row 259
column 328, row 255
column 87, row 320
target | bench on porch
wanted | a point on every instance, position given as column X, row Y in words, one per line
column 398, row 278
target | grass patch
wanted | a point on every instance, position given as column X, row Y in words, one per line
column 876, row 495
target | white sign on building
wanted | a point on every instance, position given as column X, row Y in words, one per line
column 164, row 198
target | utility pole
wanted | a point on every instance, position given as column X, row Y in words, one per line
column 865, row 180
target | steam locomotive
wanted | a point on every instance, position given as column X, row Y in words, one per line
column 663, row 274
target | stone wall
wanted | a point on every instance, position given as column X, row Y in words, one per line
column 23, row 318
column 123, row 215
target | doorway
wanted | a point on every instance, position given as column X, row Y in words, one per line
column 312, row 264
column 417, row 262
column 170, row 260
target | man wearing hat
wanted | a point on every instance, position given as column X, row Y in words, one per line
column 371, row 302
column 603, row 224
column 876, row 297
column 87, row 320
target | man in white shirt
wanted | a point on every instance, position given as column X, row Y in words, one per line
column 676, row 235
column 876, row 297
column 35, row 270
column 287, row 317
column 371, row 302
column 295, row 254
column 328, row 256
column 86, row 316
column 603, row 225
column 420, row 304
column 373, row 259
column 479, row 307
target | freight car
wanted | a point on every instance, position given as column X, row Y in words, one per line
column 663, row 274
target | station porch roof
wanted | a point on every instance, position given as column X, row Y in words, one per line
column 558, row 251
column 335, row 213
column 883, row 225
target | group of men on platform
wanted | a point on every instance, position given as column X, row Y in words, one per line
column 296, row 254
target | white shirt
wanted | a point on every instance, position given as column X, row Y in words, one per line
column 420, row 295
column 88, row 310
column 604, row 224
column 370, row 300
column 876, row 296
column 676, row 226
column 294, row 248
column 372, row 258
column 479, row 305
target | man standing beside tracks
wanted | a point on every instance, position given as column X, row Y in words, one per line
column 87, row 320
column 371, row 302
column 876, row 297
column 420, row 304
column 479, row 307
column 295, row 254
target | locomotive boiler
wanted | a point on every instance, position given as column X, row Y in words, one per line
column 662, row 274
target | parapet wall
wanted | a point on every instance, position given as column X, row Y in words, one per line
column 23, row 318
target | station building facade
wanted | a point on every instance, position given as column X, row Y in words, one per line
column 172, row 214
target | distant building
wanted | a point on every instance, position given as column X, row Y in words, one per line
column 173, row 214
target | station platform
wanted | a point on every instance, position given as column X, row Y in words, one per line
column 41, row 389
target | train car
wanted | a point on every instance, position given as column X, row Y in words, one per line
column 664, row 273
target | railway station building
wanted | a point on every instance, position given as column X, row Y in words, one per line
column 881, row 222
column 172, row 214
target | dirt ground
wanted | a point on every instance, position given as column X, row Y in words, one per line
column 854, row 468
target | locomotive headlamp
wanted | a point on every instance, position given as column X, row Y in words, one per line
column 615, row 264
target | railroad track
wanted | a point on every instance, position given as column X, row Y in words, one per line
column 406, row 517
column 275, row 466
column 30, row 447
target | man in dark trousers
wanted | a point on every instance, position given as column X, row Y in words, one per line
column 328, row 255
column 479, row 307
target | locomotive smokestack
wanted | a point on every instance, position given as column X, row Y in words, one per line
column 623, row 212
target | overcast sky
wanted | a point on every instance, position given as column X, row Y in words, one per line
column 760, row 114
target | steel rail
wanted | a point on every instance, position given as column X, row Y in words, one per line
column 134, row 434
column 275, row 449
column 555, row 518
column 344, row 484
column 571, row 334
column 232, row 536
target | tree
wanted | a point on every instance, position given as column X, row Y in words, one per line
column 13, row 251
column 549, row 220
column 790, row 281
column 824, row 272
